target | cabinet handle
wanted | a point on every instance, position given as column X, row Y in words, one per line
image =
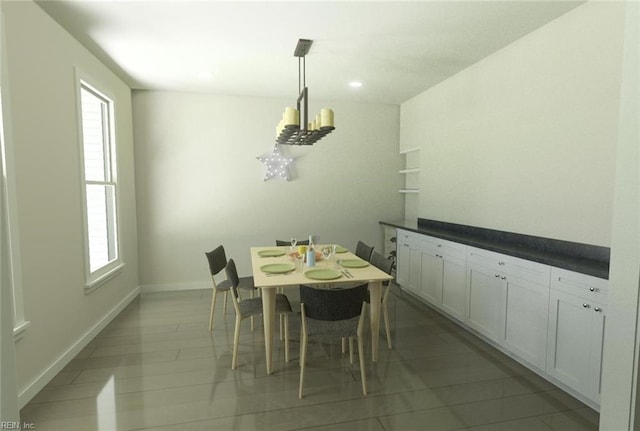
column 497, row 275
column 503, row 278
column 501, row 263
column 598, row 309
column 585, row 306
column 592, row 289
column 437, row 255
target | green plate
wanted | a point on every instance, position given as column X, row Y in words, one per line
column 271, row 253
column 323, row 274
column 340, row 249
column 354, row 263
column 277, row 268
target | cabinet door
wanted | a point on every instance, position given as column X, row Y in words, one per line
column 570, row 335
column 597, row 341
column 403, row 259
column 415, row 273
column 454, row 275
column 486, row 305
column 432, row 278
column 526, row 320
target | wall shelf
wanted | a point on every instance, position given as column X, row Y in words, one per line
column 411, row 167
column 410, row 171
column 409, row 150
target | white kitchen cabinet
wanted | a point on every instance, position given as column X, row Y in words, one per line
column 487, row 302
column 526, row 320
column 444, row 274
column 577, row 316
column 509, row 303
column 408, row 272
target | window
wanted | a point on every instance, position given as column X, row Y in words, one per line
column 100, row 185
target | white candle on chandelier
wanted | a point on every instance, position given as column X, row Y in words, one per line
column 291, row 117
column 326, row 117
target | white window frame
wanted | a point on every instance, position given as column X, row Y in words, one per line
column 9, row 217
column 97, row 277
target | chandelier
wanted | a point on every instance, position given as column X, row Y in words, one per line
column 295, row 127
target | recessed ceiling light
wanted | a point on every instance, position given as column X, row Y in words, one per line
column 355, row 84
column 205, row 74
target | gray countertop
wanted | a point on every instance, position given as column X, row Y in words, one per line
column 583, row 258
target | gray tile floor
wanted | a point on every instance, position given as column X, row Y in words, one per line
column 157, row 367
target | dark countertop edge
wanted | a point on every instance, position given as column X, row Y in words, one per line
column 585, row 265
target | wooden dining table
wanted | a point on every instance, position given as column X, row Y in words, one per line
column 269, row 282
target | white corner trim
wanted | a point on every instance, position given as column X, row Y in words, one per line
column 171, row 287
column 32, row 389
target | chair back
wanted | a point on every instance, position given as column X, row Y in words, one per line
column 381, row 262
column 332, row 305
column 232, row 276
column 363, row 251
column 217, row 260
column 281, row 242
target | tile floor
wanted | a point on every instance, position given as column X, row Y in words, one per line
column 157, row 367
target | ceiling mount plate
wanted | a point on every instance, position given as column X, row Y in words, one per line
column 302, row 48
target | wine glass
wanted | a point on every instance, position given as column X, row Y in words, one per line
column 299, row 261
column 294, row 241
column 327, row 252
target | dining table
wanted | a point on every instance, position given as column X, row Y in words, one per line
column 278, row 268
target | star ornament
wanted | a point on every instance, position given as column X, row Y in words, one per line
column 277, row 164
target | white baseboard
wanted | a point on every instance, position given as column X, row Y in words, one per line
column 171, row 287
column 32, row 389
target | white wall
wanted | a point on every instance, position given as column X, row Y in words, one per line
column 41, row 59
column 524, row 140
column 620, row 401
column 199, row 183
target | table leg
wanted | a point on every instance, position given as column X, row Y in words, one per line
column 269, row 317
column 375, row 292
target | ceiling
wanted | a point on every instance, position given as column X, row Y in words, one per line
column 396, row 49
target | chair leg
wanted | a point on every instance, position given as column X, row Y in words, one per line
column 286, row 338
column 213, row 307
column 281, row 325
column 303, row 358
column 236, row 340
column 226, row 293
column 385, row 313
column 363, row 373
column 351, row 350
column 344, row 345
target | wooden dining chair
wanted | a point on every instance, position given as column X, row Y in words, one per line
column 253, row 307
column 334, row 314
column 217, row 259
column 386, row 265
column 363, row 251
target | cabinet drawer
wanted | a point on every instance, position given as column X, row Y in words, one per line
column 582, row 285
column 443, row 248
column 409, row 239
column 511, row 266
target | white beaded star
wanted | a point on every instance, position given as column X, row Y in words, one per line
column 277, row 164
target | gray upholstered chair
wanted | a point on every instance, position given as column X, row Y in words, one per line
column 281, row 242
column 253, row 307
column 217, row 262
column 363, row 251
column 328, row 313
column 385, row 265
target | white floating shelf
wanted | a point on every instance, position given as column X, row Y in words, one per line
column 410, row 171
column 409, row 150
column 409, row 190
